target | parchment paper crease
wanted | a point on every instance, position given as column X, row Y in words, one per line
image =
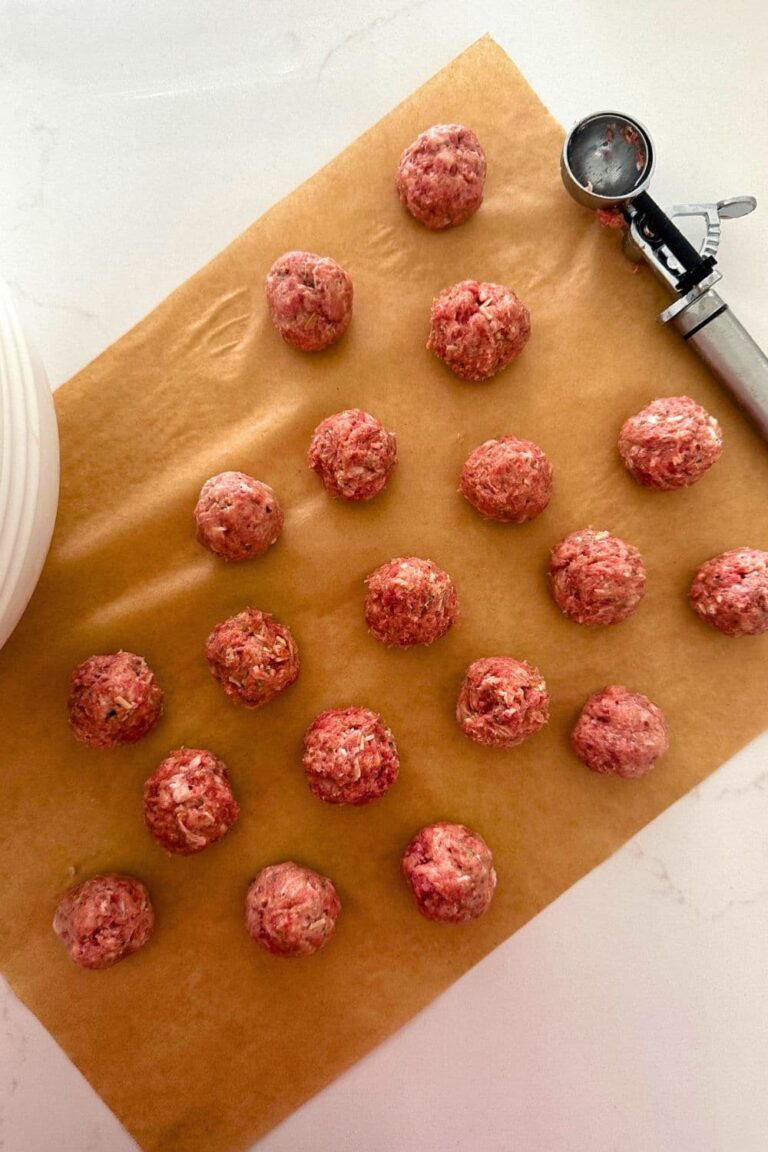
column 202, row 1041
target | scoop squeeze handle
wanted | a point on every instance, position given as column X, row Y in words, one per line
column 726, row 347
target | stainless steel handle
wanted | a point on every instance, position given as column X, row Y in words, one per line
column 726, row 347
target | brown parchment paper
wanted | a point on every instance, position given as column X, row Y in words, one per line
column 202, row 1041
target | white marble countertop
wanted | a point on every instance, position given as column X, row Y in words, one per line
column 137, row 138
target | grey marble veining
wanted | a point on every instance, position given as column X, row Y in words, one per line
column 135, row 141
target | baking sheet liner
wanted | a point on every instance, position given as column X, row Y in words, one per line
column 203, row 1041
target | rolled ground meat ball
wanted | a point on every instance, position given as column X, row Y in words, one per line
column 104, row 919
column 290, row 910
column 188, row 801
column 730, row 591
column 596, row 578
column 309, row 299
column 620, row 733
column 253, row 657
column 450, row 872
column 410, row 601
column 237, row 517
column 113, row 700
column 507, row 479
column 441, row 176
column 502, row 701
column 350, row 756
column 478, row 328
column 353, row 454
column 670, row 443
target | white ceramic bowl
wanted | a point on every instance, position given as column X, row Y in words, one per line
column 29, row 467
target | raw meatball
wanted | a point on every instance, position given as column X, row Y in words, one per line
column 507, row 479
column 502, row 701
column 450, row 872
column 290, row 910
column 441, row 176
column 114, row 700
column 104, row 919
column 188, row 801
column 478, row 328
column 731, row 592
column 237, row 517
column 670, row 443
column 596, row 578
column 253, row 657
column 410, row 601
column 620, row 733
column 350, row 756
column 353, row 454
column 309, row 299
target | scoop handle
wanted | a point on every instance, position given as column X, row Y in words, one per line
column 729, row 351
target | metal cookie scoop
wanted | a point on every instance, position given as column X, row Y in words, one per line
column 607, row 163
